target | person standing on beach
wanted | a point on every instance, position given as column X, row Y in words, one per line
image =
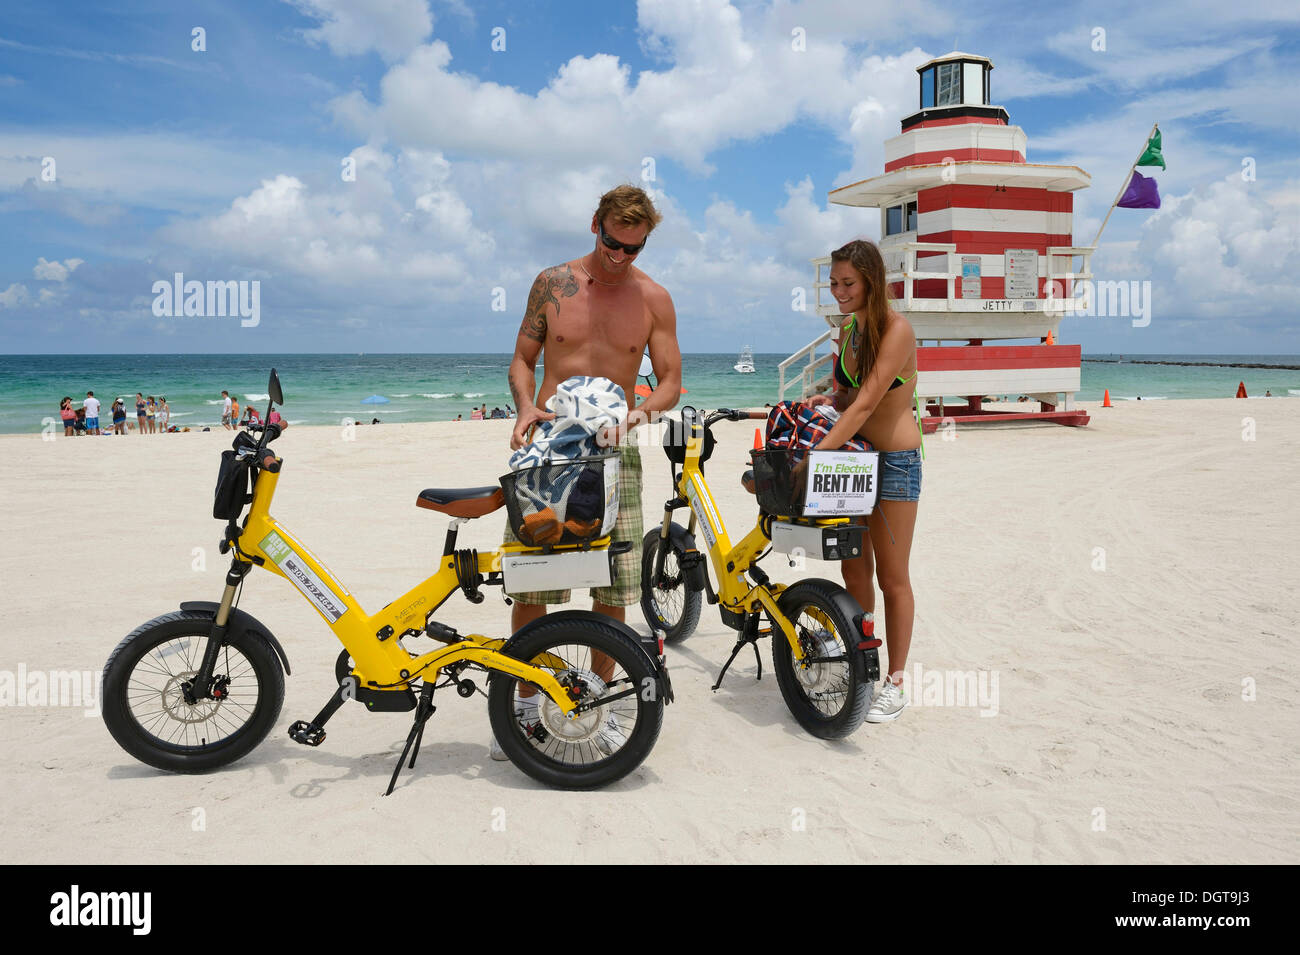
column 163, row 413
column 91, row 404
column 875, row 376
column 119, row 417
column 151, row 412
column 225, row 411
column 141, row 416
column 595, row 315
column 69, row 417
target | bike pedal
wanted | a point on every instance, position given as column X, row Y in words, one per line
column 306, row 734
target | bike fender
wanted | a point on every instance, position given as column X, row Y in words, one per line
column 649, row 645
column 240, row 621
column 681, row 536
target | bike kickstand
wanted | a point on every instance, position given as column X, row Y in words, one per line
column 749, row 634
column 423, row 710
column 734, row 650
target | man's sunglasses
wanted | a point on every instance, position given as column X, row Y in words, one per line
column 615, row 244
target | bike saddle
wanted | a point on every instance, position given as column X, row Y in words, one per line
column 462, row 501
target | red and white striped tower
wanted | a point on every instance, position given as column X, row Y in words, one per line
column 978, row 247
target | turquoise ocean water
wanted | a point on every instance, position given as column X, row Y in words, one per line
column 325, row 389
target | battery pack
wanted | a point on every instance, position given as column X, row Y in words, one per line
column 559, row 570
column 839, row 542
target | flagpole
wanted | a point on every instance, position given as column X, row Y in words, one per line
column 1119, row 195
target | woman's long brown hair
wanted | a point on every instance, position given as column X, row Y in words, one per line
column 866, row 261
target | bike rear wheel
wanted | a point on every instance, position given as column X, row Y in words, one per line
column 828, row 693
column 144, row 706
column 598, row 746
column 669, row 605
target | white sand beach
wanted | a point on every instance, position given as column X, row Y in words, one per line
column 1146, row 710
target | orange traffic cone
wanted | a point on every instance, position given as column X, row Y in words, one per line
column 758, row 439
column 1051, row 339
column 1105, row 403
column 1241, row 390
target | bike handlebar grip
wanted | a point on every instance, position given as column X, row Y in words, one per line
column 271, row 463
column 756, row 415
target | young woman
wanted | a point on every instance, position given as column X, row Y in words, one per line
column 875, row 375
column 150, row 410
column 69, row 417
column 163, row 414
column 141, row 414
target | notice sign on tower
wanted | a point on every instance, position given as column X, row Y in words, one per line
column 970, row 277
column 1020, row 273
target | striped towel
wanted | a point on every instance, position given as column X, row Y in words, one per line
column 583, row 407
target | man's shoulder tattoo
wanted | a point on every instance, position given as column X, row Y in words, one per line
column 552, row 285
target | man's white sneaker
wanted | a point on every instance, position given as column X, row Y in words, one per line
column 525, row 713
column 889, row 702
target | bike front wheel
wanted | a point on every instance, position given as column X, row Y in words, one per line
column 828, row 692
column 144, row 704
column 608, row 674
column 668, row 603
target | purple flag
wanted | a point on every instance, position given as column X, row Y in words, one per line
column 1140, row 194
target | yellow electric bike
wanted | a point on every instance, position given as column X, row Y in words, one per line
column 198, row 688
column 824, row 650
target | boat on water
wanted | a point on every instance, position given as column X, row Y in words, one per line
column 745, row 363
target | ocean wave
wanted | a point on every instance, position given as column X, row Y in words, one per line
column 402, row 396
column 252, row 397
column 438, row 394
column 475, row 394
column 1293, row 391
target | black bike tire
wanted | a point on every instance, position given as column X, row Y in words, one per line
column 693, row 600
column 835, row 603
column 133, row 738
column 630, row 657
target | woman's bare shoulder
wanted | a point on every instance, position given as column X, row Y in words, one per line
column 899, row 325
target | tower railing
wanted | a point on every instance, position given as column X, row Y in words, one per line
column 902, row 265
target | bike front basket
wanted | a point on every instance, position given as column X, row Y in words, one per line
column 773, row 483
column 565, row 502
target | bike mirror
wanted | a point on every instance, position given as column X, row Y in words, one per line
column 646, row 367
column 273, row 389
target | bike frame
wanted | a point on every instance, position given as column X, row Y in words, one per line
column 730, row 562
column 380, row 662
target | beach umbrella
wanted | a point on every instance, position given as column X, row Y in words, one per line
column 375, row 400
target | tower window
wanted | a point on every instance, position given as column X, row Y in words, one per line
column 949, row 80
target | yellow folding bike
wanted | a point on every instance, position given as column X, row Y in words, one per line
column 198, row 688
column 824, row 650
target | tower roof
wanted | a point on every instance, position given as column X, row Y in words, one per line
column 956, row 55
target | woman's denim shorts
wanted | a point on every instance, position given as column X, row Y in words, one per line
column 900, row 475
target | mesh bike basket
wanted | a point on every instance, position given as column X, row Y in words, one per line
column 568, row 502
column 231, row 493
column 773, row 484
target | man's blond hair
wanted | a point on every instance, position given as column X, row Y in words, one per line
column 628, row 205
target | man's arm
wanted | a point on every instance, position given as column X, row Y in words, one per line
column 665, row 358
column 543, row 301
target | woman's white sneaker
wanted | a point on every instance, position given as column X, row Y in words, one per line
column 889, row 702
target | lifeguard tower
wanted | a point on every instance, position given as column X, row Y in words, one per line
column 978, row 247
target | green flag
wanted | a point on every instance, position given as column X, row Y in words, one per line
column 1151, row 156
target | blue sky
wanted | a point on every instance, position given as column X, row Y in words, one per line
column 477, row 167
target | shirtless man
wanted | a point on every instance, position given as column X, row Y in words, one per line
column 595, row 315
